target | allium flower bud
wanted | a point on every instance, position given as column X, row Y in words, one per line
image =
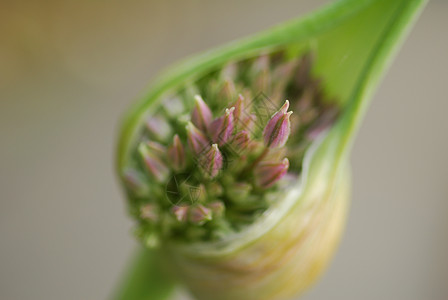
column 239, row 192
column 173, row 107
column 217, row 208
column 277, row 130
column 228, row 89
column 153, row 164
column 222, row 128
column 197, row 141
column 158, row 127
column 181, row 212
column 241, row 142
column 268, row 173
column 201, row 115
column 239, row 109
column 248, row 123
column 156, row 148
column 200, row 214
column 176, row 154
column 149, row 212
column 135, row 181
column 211, row 161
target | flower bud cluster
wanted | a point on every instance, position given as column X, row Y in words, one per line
column 211, row 155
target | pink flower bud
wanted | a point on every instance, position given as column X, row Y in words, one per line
column 176, row 154
column 153, row 164
column 241, row 142
column 174, row 106
column 149, row 212
column 196, row 139
column 217, row 208
column 212, row 161
column 261, row 73
column 156, row 148
column 135, row 182
column 229, row 71
column 277, row 130
column 181, row 212
column 201, row 115
column 221, row 128
column 268, row 173
column 239, row 192
column 238, row 113
column 248, row 123
column 158, row 127
column 200, row 214
column 228, row 89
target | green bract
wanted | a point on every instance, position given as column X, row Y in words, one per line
column 285, row 248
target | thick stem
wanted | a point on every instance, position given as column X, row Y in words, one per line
column 146, row 279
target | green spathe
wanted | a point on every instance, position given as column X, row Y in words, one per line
column 286, row 249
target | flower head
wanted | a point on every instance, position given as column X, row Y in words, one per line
column 230, row 209
column 212, row 170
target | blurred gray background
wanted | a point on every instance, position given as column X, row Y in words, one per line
column 69, row 69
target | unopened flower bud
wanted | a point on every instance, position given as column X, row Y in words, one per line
column 180, row 212
column 239, row 108
column 173, row 106
column 201, row 115
column 277, row 130
column 157, row 148
column 196, row 139
column 215, row 189
column 196, row 194
column 200, row 214
column 268, row 173
column 222, row 128
column 135, row 181
column 153, row 164
column 248, row 123
column 149, row 212
column 228, row 89
column 158, row 127
column 176, row 154
column 212, row 161
column 217, row 208
column 241, row 142
column 261, row 73
column 229, row 71
column 239, row 192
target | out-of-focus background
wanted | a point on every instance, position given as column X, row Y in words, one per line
column 69, row 69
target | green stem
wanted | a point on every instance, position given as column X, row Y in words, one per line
column 146, row 279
